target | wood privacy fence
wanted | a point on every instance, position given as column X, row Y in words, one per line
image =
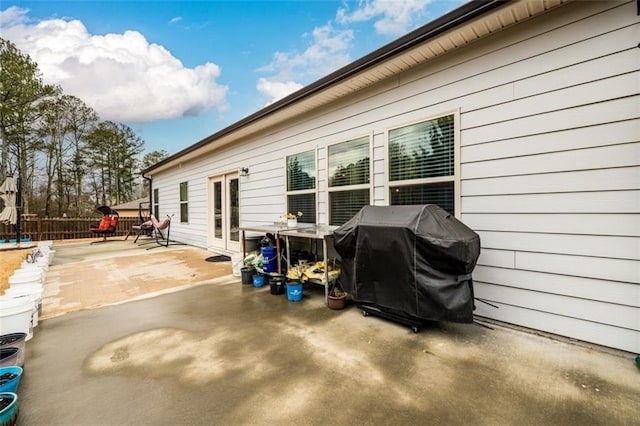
column 58, row 228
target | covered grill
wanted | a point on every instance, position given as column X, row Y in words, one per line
column 410, row 263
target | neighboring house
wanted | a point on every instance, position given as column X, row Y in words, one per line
column 522, row 118
column 133, row 208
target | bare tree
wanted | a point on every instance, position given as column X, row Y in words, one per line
column 80, row 121
column 115, row 148
column 21, row 93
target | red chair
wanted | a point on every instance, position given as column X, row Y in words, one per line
column 108, row 223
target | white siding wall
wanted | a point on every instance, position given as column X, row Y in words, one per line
column 550, row 178
column 550, row 166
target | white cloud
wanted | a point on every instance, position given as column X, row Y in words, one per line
column 330, row 46
column 393, row 17
column 328, row 51
column 175, row 20
column 13, row 16
column 276, row 90
column 122, row 76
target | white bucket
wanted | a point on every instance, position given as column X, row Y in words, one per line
column 29, row 271
column 36, row 301
column 236, row 263
column 44, row 265
column 35, row 278
column 16, row 315
column 35, row 290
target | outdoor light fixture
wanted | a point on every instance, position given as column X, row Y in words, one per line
column 244, row 171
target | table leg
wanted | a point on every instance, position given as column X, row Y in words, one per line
column 288, row 252
column 244, row 246
column 278, row 253
column 326, row 271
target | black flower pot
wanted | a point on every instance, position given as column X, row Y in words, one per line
column 247, row 275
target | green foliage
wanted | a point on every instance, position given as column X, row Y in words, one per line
column 153, row 157
column 115, row 147
column 56, row 143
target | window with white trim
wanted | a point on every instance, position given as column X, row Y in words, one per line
column 349, row 179
column 422, row 163
column 301, row 185
column 184, row 202
column 156, row 202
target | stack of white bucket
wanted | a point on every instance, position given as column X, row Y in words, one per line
column 21, row 303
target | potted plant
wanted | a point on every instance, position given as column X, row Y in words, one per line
column 292, row 219
column 248, row 269
column 277, row 284
column 336, row 299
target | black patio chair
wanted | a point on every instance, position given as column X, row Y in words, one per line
column 144, row 226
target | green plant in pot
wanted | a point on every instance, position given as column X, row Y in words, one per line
column 337, row 297
column 248, row 269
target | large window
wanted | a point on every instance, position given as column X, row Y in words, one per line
column 156, row 203
column 301, row 185
column 422, row 163
column 184, row 202
column 349, row 179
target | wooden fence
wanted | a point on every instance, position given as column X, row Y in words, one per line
column 57, row 228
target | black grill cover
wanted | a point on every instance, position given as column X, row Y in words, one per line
column 413, row 261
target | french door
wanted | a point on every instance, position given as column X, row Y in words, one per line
column 224, row 210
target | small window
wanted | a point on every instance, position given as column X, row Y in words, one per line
column 349, row 179
column 184, row 202
column 422, row 164
column 156, row 203
column 301, row 185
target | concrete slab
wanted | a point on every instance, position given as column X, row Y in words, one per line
column 220, row 352
column 85, row 276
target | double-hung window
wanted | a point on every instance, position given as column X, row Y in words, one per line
column 184, row 202
column 349, row 179
column 156, row 203
column 422, row 163
column 301, row 185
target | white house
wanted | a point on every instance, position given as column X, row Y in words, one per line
column 522, row 118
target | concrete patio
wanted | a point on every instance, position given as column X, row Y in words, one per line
column 192, row 345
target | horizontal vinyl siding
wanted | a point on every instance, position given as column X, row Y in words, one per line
column 551, row 183
column 607, row 335
column 168, row 185
column 497, row 267
column 582, row 245
column 601, row 179
column 558, row 223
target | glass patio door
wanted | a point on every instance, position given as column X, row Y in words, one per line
column 225, row 213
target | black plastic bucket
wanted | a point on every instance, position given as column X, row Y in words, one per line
column 276, row 284
column 247, row 275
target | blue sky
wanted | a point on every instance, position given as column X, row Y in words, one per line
column 178, row 71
